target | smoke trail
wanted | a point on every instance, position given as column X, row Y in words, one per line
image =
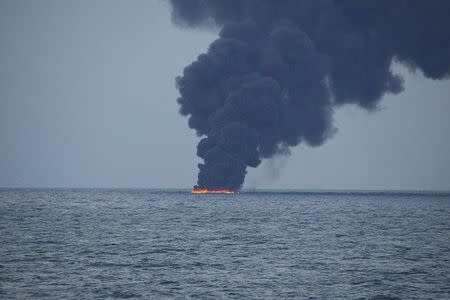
column 278, row 68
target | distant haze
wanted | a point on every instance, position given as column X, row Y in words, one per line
column 88, row 99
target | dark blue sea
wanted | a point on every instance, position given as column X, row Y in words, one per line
column 149, row 244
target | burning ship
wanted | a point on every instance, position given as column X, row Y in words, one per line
column 216, row 191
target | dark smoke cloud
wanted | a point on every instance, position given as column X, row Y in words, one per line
column 278, row 68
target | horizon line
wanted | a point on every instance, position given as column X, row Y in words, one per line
column 245, row 190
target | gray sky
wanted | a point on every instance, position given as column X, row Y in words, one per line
column 87, row 99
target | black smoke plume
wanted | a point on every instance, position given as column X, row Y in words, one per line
column 278, row 68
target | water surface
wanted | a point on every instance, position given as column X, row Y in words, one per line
column 84, row 244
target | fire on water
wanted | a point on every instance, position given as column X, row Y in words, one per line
column 220, row 191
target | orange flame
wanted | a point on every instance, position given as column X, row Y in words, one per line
column 220, row 191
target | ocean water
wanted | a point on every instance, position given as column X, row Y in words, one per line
column 107, row 243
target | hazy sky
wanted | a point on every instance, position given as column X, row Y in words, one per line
column 87, row 99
